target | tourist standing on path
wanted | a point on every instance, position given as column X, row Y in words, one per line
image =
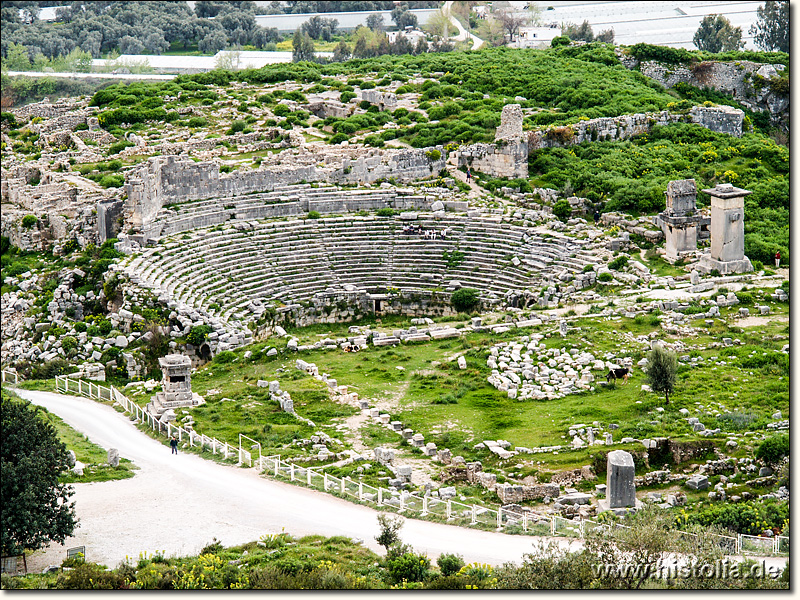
column 174, row 445
column 778, row 259
column 469, row 175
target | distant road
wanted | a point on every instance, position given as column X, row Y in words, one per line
column 93, row 75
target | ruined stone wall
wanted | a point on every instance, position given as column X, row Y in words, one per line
column 164, row 180
column 724, row 119
column 403, row 165
column 47, row 110
column 498, row 160
column 735, row 77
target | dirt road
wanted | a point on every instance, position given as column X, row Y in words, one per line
column 177, row 504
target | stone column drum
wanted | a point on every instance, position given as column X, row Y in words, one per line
column 621, row 491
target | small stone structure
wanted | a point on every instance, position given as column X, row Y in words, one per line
column 681, row 223
column 176, row 385
column 383, row 100
column 727, row 231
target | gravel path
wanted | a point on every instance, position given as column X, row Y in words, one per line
column 177, row 504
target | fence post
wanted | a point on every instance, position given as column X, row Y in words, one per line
column 581, row 528
column 80, row 387
column 325, row 481
column 214, row 445
column 741, row 545
column 499, row 517
column 424, row 505
column 553, row 525
column 402, row 502
column 380, row 496
column 360, row 491
column 342, row 486
column 474, row 516
column 775, row 545
column 449, row 510
column 524, row 521
column 277, row 464
column 308, row 477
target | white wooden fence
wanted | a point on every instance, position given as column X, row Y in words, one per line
column 456, row 513
column 9, row 376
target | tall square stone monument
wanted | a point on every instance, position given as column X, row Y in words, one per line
column 727, row 231
column 681, row 222
column 176, row 386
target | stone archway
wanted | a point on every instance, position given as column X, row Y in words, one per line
column 205, row 352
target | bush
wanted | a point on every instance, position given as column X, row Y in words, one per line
column 116, row 181
column 339, row 138
column 773, row 449
column 465, row 299
column 313, row 214
column 618, row 263
column 562, row 210
column 434, row 154
column 605, row 277
column 197, row 334
column 450, row 564
column 385, row 212
column 224, row 357
column 345, row 97
column 237, row 126
column 408, row 567
column 29, row 221
column 69, row 343
column 198, row 122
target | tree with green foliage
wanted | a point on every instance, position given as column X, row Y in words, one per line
column 716, row 34
column 771, row 31
column 302, row 47
column 662, row 368
column 403, row 18
column 390, row 527
column 35, row 506
column 465, row 299
column 578, row 33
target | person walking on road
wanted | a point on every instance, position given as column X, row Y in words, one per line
column 469, row 175
column 174, row 445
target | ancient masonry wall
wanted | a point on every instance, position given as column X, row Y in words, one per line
column 736, row 78
column 164, row 180
column 723, row 119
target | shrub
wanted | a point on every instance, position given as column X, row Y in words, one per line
column 281, row 110
column 618, row 263
column 562, row 210
column 198, row 122
column 408, row 567
column 237, row 126
column 69, row 343
column 197, row 334
column 29, row 221
column 605, row 277
column 773, row 449
column 345, row 97
column 385, row 212
column 434, row 154
column 224, row 357
column 339, row 138
column 449, row 564
column 108, row 181
column 313, row 214
column 465, row 299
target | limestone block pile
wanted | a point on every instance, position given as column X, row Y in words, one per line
column 527, row 369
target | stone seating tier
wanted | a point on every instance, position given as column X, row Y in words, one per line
column 291, row 261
